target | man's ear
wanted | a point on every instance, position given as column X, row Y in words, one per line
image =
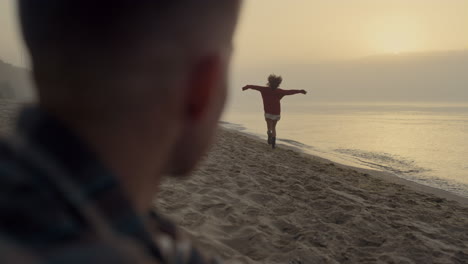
column 203, row 83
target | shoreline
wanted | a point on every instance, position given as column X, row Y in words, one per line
column 390, row 177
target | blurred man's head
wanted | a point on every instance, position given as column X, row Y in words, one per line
column 160, row 64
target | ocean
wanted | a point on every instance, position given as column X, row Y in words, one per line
column 424, row 143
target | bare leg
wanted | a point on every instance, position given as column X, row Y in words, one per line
column 273, row 127
column 269, row 125
column 273, row 133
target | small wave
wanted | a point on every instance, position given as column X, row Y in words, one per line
column 458, row 188
column 296, row 143
column 404, row 168
column 384, row 161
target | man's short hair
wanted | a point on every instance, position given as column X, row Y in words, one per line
column 54, row 24
column 73, row 42
column 51, row 26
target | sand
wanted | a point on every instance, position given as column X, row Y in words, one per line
column 255, row 205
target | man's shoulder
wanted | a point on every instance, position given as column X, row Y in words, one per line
column 42, row 222
column 15, row 175
column 38, row 226
column 30, row 210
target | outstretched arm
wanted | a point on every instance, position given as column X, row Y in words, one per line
column 291, row 92
column 253, row 87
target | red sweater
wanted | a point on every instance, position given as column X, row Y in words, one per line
column 271, row 98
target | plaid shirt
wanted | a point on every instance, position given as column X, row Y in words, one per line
column 59, row 204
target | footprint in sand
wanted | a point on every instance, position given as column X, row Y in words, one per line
column 251, row 243
column 242, row 192
column 282, row 211
column 204, row 191
column 339, row 218
column 252, row 212
column 222, row 211
column 261, row 199
column 193, row 219
column 241, row 184
column 286, row 227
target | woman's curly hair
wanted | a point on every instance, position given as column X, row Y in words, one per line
column 274, row 81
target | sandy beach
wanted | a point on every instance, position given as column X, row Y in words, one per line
column 255, row 205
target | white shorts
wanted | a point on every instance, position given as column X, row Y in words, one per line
column 272, row 117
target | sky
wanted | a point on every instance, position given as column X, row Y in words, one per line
column 272, row 31
column 288, row 36
column 317, row 30
column 354, row 50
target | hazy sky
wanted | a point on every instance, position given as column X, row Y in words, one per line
column 305, row 30
column 311, row 30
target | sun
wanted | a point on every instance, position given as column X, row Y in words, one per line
column 393, row 35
